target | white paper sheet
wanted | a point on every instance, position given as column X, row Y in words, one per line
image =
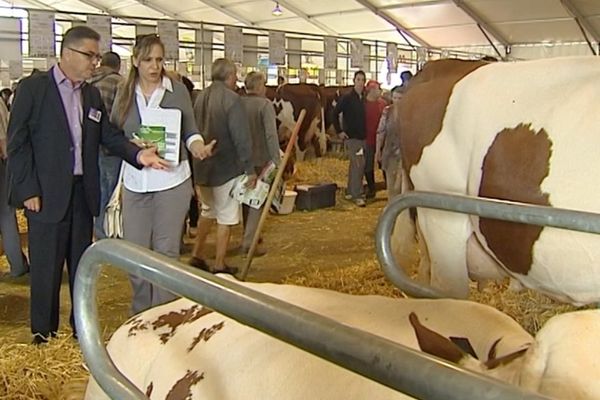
column 171, row 120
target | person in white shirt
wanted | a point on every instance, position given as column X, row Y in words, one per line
column 155, row 202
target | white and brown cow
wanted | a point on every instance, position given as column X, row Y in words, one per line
column 318, row 101
column 184, row 351
column 527, row 132
column 288, row 101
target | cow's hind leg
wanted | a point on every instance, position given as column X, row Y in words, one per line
column 446, row 235
column 404, row 243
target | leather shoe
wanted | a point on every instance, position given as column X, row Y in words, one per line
column 199, row 263
column 39, row 338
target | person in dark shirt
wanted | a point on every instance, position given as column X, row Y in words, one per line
column 352, row 131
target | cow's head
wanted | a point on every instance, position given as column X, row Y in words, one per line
column 460, row 352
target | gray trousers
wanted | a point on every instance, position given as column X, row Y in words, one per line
column 251, row 219
column 155, row 220
column 356, row 168
column 393, row 174
column 370, row 167
column 11, row 240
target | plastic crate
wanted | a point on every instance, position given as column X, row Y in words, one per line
column 313, row 197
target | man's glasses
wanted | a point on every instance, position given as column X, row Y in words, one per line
column 92, row 56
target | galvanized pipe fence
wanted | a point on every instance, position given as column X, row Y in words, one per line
column 489, row 208
column 396, row 366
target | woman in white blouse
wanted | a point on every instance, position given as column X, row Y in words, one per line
column 155, row 202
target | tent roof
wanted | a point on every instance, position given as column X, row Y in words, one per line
column 434, row 23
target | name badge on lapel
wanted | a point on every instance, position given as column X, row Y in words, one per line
column 95, row 115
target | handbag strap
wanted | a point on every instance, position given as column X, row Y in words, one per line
column 119, row 185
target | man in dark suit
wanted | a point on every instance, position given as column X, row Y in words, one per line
column 56, row 127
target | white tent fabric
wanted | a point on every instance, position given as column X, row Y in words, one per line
column 556, row 26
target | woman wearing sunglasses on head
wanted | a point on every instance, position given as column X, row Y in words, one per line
column 155, row 202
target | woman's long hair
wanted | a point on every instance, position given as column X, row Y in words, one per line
column 141, row 49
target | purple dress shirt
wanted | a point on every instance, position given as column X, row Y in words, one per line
column 70, row 93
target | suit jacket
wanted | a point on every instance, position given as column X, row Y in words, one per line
column 41, row 152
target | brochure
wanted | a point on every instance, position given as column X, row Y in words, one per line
column 155, row 135
column 256, row 197
column 166, row 124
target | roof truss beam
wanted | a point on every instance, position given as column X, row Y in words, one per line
column 578, row 16
column 97, row 6
column 482, row 22
column 154, row 7
column 414, row 4
column 223, row 9
column 108, row 11
column 402, row 30
column 43, row 5
column 307, row 17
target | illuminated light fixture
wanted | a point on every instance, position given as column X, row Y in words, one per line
column 277, row 11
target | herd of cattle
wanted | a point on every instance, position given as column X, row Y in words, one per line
column 318, row 101
column 526, row 132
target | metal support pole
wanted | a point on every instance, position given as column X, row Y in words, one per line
column 386, row 362
column 489, row 208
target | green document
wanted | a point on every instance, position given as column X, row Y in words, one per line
column 155, row 135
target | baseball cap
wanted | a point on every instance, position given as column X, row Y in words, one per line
column 372, row 84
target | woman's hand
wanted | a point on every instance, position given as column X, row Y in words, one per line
column 201, row 150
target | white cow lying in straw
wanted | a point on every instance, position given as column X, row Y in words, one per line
column 183, row 351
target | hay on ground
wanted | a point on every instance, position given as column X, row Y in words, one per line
column 531, row 309
column 46, row 372
column 55, row 371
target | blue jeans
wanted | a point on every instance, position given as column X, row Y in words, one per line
column 109, row 173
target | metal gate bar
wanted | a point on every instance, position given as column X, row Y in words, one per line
column 490, row 208
column 381, row 360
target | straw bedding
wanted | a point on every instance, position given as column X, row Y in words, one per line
column 56, row 371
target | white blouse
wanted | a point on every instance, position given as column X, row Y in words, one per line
column 148, row 179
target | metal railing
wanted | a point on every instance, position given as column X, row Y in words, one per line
column 386, row 362
column 489, row 208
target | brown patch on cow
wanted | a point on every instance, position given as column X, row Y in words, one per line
column 496, row 362
column 174, row 319
column 513, row 169
column 423, row 106
column 137, row 325
column 301, row 96
column 433, row 343
column 205, row 334
column 149, row 389
column 182, row 389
